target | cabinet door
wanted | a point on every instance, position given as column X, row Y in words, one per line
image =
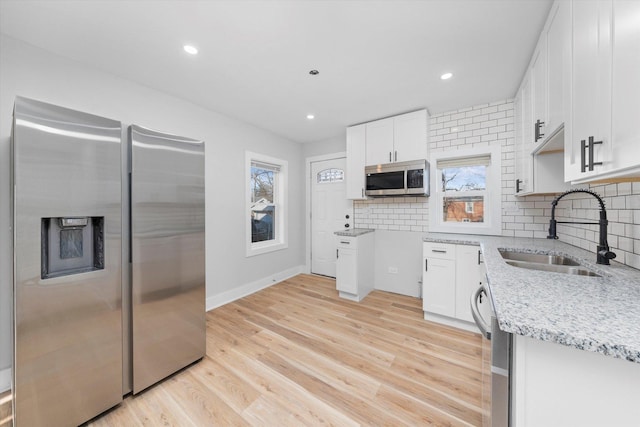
column 590, row 88
column 558, row 62
column 347, row 271
column 439, row 286
column 626, row 85
column 410, row 136
column 469, row 275
column 539, row 92
column 527, row 132
column 356, row 137
column 518, row 143
column 379, row 149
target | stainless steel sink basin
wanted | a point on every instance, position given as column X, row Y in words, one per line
column 566, row 269
column 538, row 258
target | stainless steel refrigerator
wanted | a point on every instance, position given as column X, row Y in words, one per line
column 108, row 261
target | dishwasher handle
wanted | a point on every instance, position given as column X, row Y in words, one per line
column 485, row 329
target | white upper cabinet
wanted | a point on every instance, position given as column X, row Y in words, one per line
column 603, row 139
column 379, row 141
column 539, row 109
column 558, row 38
column 590, row 128
column 523, row 116
column 356, row 139
column 625, row 99
column 397, row 139
column 539, row 91
column 410, row 136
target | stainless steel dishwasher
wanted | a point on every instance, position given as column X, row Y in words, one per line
column 496, row 361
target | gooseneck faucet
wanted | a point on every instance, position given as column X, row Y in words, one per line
column 603, row 253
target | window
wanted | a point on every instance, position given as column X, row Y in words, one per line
column 330, row 175
column 468, row 192
column 266, row 204
column 468, row 208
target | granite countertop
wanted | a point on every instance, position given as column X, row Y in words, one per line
column 354, row 232
column 599, row 314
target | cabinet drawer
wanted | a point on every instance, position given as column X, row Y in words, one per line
column 439, row 250
column 346, row 242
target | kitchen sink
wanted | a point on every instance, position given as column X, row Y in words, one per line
column 554, row 268
column 538, row 258
column 545, row 262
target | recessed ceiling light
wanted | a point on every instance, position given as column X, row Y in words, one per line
column 190, row 49
column 314, row 72
column 446, row 76
column 310, row 116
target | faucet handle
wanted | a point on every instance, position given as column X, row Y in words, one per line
column 607, row 254
column 604, row 255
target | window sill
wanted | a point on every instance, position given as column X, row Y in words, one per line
column 254, row 249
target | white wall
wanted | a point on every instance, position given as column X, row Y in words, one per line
column 34, row 73
column 337, row 144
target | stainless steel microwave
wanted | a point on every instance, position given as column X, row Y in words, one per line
column 398, row 179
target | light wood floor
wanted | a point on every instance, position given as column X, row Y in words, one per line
column 6, row 420
column 295, row 354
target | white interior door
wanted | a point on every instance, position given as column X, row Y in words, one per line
column 329, row 211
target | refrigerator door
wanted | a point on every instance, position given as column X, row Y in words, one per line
column 67, row 264
column 168, row 256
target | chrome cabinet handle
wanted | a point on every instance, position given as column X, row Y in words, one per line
column 389, row 156
column 395, row 157
column 439, row 251
column 518, row 181
column 479, row 260
column 485, row 329
column 538, row 134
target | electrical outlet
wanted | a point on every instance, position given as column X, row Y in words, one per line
column 393, row 270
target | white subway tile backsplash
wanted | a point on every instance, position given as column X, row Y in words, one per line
column 489, row 110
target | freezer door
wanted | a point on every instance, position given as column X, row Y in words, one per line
column 168, row 258
column 67, row 270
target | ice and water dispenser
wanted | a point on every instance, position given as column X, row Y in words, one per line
column 72, row 245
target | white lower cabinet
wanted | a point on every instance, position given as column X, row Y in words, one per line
column 469, row 275
column 439, row 295
column 354, row 266
column 450, row 275
column 557, row 385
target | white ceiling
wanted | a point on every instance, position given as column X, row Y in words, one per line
column 376, row 58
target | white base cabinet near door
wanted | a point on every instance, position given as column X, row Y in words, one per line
column 450, row 275
column 354, row 266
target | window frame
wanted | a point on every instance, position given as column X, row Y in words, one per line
column 492, row 224
column 281, row 184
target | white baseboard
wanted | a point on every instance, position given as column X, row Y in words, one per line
column 250, row 288
column 5, row 379
column 456, row 323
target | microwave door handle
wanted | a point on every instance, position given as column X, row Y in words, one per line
column 406, row 182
